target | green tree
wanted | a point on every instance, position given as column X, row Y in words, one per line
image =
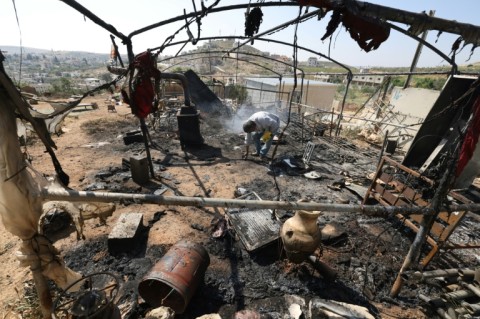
column 430, row 83
column 236, row 92
column 62, row 86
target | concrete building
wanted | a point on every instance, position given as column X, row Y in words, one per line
column 267, row 91
column 368, row 79
column 312, row 61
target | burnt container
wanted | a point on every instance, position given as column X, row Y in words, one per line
column 189, row 126
column 174, row 278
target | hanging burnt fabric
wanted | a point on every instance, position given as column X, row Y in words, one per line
column 142, row 96
column 368, row 32
column 471, row 139
column 253, row 20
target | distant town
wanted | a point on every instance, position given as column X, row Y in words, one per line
column 49, row 71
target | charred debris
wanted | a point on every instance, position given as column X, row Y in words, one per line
column 357, row 228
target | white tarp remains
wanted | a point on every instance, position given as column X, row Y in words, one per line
column 20, row 205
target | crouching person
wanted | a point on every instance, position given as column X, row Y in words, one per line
column 261, row 126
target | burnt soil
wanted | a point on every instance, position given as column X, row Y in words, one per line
column 92, row 151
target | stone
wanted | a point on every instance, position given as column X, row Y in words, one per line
column 124, row 236
column 160, row 313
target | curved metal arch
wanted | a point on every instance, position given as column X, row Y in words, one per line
column 225, row 51
column 233, row 37
column 225, row 57
column 213, row 10
column 427, row 44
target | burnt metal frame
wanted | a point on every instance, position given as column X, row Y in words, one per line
column 246, row 61
column 225, row 57
column 348, row 74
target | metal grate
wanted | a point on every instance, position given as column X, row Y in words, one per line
column 348, row 147
column 255, row 227
column 307, row 154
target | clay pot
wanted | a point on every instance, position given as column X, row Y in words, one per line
column 301, row 235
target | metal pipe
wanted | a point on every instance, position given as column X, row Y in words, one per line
column 473, row 309
column 183, row 80
column 371, row 210
column 454, row 272
column 268, row 40
column 458, row 295
column 418, row 52
column 467, row 273
column 476, row 277
column 436, row 304
column 472, row 288
column 451, row 312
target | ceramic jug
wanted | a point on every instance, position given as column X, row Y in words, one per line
column 300, row 235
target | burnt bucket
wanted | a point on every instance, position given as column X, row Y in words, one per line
column 174, row 278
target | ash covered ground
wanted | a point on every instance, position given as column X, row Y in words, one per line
column 367, row 256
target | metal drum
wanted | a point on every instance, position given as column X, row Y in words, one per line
column 174, row 278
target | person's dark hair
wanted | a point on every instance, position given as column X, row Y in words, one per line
column 249, row 126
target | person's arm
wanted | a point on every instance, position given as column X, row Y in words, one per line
column 248, row 141
column 245, row 155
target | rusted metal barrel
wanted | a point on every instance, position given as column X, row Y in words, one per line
column 174, row 278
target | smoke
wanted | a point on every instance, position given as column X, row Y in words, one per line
column 235, row 124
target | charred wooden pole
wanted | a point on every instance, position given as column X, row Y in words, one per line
column 427, row 221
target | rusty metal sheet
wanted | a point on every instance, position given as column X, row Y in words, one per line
column 255, row 227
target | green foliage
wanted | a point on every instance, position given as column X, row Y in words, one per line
column 236, row 92
column 367, row 89
column 399, row 81
column 62, row 86
column 429, row 83
column 179, row 69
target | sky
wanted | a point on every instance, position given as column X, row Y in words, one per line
column 53, row 25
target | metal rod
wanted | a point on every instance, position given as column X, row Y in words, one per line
column 144, row 129
column 278, row 27
column 418, row 52
column 225, row 51
column 267, row 40
column 472, row 288
column 418, row 275
column 476, row 276
column 458, row 295
column 213, row 10
column 473, row 309
column 372, row 210
column 435, row 304
column 183, row 79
